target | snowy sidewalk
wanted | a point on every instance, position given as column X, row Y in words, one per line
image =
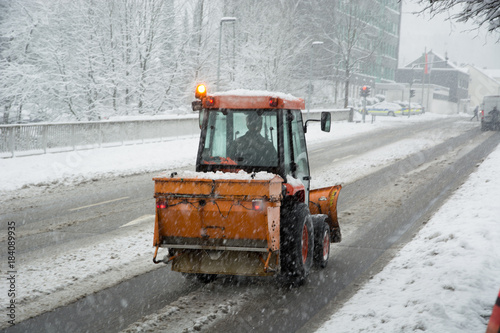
column 447, row 278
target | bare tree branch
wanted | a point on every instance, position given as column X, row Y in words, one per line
column 481, row 12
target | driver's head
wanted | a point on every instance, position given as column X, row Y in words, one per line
column 254, row 122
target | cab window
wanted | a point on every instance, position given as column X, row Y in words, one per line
column 241, row 137
column 294, row 144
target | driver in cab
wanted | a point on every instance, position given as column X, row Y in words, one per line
column 252, row 148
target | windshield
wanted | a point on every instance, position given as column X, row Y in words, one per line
column 241, row 137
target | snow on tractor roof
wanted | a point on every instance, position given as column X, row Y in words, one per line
column 263, row 93
column 241, row 175
column 252, row 99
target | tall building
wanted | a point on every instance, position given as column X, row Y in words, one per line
column 387, row 26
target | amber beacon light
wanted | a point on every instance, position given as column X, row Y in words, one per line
column 201, row 91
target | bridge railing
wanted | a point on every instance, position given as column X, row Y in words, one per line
column 42, row 138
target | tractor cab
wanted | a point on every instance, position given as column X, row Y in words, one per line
column 247, row 210
column 255, row 131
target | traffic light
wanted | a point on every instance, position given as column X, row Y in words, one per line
column 365, row 91
column 412, row 92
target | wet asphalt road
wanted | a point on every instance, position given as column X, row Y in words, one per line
column 124, row 199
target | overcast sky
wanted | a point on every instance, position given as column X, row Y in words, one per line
column 440, row 35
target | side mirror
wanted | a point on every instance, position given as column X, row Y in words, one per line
column 196, row 106
column 326, row 121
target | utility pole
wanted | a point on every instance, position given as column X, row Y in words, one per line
column 222, row 20
column 309, row 90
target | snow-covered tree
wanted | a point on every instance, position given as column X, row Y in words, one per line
column 267, row 51
column 89, row 59
column 349, row 34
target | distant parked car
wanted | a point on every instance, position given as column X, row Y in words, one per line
column 415, row 108
column 384, row 109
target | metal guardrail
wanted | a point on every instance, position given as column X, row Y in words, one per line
column 339, row 114
column 42, row 138
column 31, row 139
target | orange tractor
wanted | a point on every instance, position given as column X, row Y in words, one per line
column 248, row 208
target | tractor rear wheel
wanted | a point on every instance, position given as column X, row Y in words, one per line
column 297, row 244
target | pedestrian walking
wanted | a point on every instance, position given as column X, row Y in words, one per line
column 476, row 110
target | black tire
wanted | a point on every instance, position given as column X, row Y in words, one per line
column 202, row 278
column 297, row 243
column 322, row 242
column 205, row 278
column 483, row 126
column 391, row 114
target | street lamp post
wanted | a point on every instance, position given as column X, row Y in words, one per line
column 412, row 81
column 222, row 20
column 410, row 96
column 309, row 90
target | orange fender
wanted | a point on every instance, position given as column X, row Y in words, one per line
column 324, row 201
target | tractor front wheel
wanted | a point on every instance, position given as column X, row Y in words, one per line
column 321, row 242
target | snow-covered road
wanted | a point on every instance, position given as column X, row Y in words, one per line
column 446, row 279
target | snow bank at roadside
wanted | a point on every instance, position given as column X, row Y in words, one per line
column 82, row 165
column 447, row 278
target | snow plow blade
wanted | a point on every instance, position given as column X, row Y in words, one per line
column 219, row 226
column 324, row 201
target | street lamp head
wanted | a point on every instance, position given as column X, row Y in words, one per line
column 316, row 43
column 227, row 19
